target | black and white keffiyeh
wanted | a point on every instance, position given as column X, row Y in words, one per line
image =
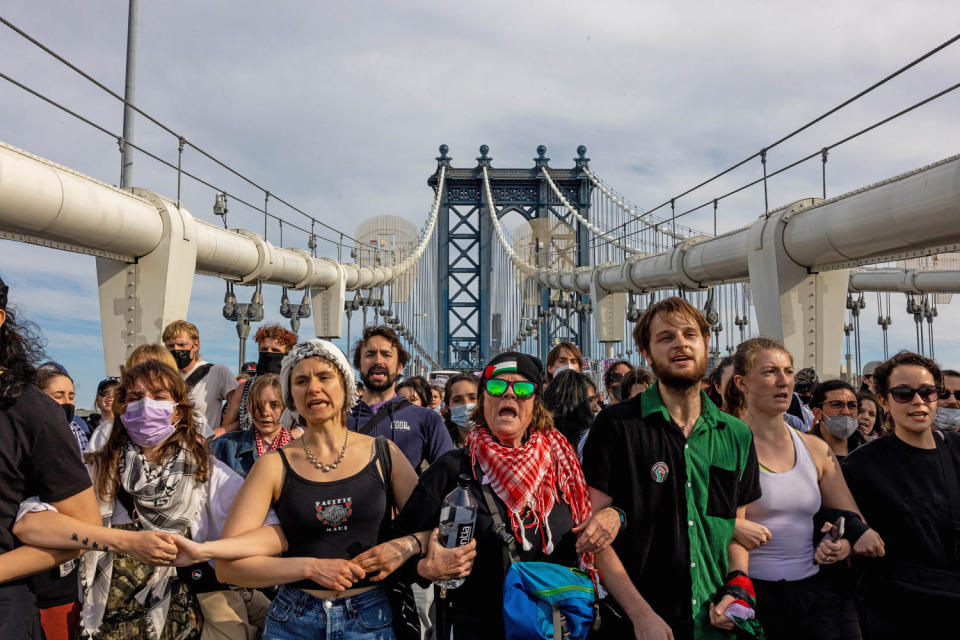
column 166, row 497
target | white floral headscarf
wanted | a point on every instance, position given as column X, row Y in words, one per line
column 329, row 352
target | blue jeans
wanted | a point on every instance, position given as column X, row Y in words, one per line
column 295, row 614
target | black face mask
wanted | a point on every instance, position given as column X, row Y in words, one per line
column 68, row 410
column 183, row 357
column 269, row 362
column 616, row 392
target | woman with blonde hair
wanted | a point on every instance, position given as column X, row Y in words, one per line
column 799, row 475
column 240, row 449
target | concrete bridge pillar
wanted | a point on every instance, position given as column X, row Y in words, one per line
column 137, row 300
column 804, row 310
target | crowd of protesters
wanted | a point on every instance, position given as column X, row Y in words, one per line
column 748, row 501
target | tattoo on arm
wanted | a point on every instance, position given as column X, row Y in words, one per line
column 86, row 542
column 74, row 537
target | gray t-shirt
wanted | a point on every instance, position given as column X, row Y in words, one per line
column 208, row 395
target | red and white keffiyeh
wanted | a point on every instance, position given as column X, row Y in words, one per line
column 283, row 439
column 527, row 478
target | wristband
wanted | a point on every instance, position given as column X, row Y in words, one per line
column 623, row 519
column 854, row 527
column 420, row 552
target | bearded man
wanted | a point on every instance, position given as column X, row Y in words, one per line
column 419, row 432
column 680, row 471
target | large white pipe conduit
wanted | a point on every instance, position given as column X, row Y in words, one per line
column 907, row 216
column 906, row 281
column 42, row 200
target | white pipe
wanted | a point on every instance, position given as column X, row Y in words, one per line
column 46, row 201
column 905, row 216
column 907, row 281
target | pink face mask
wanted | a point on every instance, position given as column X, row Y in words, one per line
column 148, row 421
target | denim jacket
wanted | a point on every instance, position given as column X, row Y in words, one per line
column 237, row 449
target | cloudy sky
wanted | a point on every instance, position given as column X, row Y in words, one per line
column 339, row 108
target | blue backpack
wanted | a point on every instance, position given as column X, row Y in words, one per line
column 542, row 600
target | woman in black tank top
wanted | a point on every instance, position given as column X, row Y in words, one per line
column 329, row 494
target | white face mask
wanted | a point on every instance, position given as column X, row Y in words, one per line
column 460, row 415
column 840, row 427
column 563, row 367
column 947, row 418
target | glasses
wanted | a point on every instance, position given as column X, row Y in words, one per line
column 615, row 377
column 904, row 394
column 521, row 388
column 946, row 393
column 840, row 404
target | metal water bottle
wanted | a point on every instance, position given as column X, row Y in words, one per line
column 458, row 517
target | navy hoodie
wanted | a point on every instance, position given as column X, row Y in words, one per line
column 419, row 433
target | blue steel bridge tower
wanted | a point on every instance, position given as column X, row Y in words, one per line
column 465, row 237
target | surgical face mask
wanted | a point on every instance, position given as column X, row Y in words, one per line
column 68, row 410
column 183, row 357
column 840, row 427
column 269, row 362
column 562, row 368
column 947, row 418
column 148, row 421
column 460, row 414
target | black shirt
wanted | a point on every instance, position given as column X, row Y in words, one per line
column 680, row 496
column 900, row 490
column 476, row 607
column 38, row 457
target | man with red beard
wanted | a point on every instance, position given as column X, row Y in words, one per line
column 680, row 471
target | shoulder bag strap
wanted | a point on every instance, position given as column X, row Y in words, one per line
column 952, row 489
column 384, row 412
column 509, row 546
column 199, row 374
column 386, row 468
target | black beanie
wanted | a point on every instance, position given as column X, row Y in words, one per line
column 513, row 362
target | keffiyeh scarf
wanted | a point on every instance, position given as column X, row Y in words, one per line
column 166, row 497
column 530, row 478
column 283, row 439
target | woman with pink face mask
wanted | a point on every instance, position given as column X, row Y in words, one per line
column 154, row 479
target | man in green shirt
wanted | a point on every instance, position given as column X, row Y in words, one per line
column 681, row 471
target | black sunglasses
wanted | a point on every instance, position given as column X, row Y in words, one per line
column 946, row 393
column 904, row 394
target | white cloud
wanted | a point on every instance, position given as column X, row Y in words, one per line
column 340, row 108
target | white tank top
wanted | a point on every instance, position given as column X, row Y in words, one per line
column 786, row 508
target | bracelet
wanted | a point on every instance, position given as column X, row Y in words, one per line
column 623, row 519
column 420, row 553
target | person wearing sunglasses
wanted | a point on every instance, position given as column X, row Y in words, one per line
column 835, row 410
column 540, row 506
column 612, row 378
column 906, row 485
column 104, row 403
column 948, row 409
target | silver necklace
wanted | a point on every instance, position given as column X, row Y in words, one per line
column 326, row 468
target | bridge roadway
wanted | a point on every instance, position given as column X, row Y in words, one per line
column 796, row 258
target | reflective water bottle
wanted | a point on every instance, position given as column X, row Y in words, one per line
column 458, row 516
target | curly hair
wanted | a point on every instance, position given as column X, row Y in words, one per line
column 541, row 420
column 382, row 330
column 881, row 375
column 155, row 375
column 20, row 347
column 285, row 337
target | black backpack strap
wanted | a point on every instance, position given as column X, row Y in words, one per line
column 508, row 547
column 952, row 489
column 386, row 467
column 126, row 501
column 386, row 411
column 198, row 374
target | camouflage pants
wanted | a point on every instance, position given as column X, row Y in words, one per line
column 126, row 619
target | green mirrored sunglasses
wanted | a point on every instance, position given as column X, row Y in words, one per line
column 521, row 388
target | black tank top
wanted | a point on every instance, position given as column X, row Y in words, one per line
column 336, row 519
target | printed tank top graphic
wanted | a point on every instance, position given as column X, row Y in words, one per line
column 334, row 513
